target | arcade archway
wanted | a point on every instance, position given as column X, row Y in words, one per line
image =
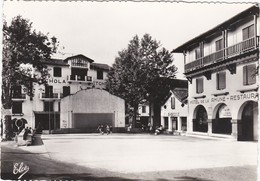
column 221, row 122
column 200, row 119
column 248, row 124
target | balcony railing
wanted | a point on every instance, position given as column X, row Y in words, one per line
column 78, row 78
column 51, row 96
column 223, row 54
column 19, row 96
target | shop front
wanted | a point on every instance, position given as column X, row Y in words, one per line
column 234, row 116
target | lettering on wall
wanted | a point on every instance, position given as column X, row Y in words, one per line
column 237, row 97
column 57, row 81
column 173, row 114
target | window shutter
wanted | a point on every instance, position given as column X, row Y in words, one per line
column 250, row 31
column 245, row 33
column 199, row 86
column 173, row 102
column 222, row 80
column 245, row 75
column 251, row 70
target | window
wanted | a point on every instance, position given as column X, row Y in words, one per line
column 199, row 85
column 249, row 74
column 17, row 91
column 48, row 106
column 248, row 32
column 143, row 109
column 17, row 108
column 197, row 53
column 48, row 91
column 100, row 74
column 219, row 44
column 57, row 72
column 221, row 80
column 66, row 91
column 173, row 102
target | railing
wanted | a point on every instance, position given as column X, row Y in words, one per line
column 51, row 96
column 78, row 78
column 223, row 54
column 19, row 96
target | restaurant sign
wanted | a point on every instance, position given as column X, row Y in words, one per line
column 236, row 97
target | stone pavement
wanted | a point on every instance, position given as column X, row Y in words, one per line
column 133, row 157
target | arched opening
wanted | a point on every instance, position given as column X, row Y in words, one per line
column 247, row 128
column 200, row 121
column 222, row 122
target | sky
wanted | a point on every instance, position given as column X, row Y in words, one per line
column 99, row 30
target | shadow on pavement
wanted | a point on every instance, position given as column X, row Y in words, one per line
column 42, row 167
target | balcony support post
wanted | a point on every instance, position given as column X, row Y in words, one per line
column 207, row 75
column 232, row 68
column 255, row 27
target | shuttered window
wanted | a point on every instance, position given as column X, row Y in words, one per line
column 221, row 80
column 173, row 102
column 17, row 107
column 199, row 85
column 219, row 45
column 57, row 72
column 197, row 53
column 248, row 32
column 249, row 74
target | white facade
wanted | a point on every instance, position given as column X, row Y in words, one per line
column 174, row 114
column 221, row 66
column 66, row 77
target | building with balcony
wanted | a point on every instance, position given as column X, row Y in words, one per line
column 66, row 78
column 221, row 66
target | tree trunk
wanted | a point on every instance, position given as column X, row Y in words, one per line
column 151, row 113
column 7, row 124
column 157, row 114
column 135, row 114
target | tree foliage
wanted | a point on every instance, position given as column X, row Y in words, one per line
column 24, row 51
column 24, row 46
column 140, row 71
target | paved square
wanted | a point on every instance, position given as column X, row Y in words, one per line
column 142, row 156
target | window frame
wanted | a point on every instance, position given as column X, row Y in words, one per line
column 246, row 74
column 99, row 75
column 19, row 110
column 57, row 73
column 199, row 80
column 246, row 32
column 220, row 75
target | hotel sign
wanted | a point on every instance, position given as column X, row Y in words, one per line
column 236, row 97
column 224, row 112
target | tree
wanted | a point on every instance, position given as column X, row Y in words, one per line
column 24, row 51
column 140, row 72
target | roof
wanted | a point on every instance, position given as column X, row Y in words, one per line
column 79, row 56
column 59, row 62
column 179, row 89
column 252, row 10
column 178, row 83
column 100, row 66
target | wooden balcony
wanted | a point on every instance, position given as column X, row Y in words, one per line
column 51, row 96
column 221, row 55
column 81, row 79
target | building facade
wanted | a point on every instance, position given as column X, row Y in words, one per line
column 174, row 112
column 222, row 68
column 66, row 78
column 174, row 109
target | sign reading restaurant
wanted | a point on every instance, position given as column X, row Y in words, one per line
column 237, row 97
